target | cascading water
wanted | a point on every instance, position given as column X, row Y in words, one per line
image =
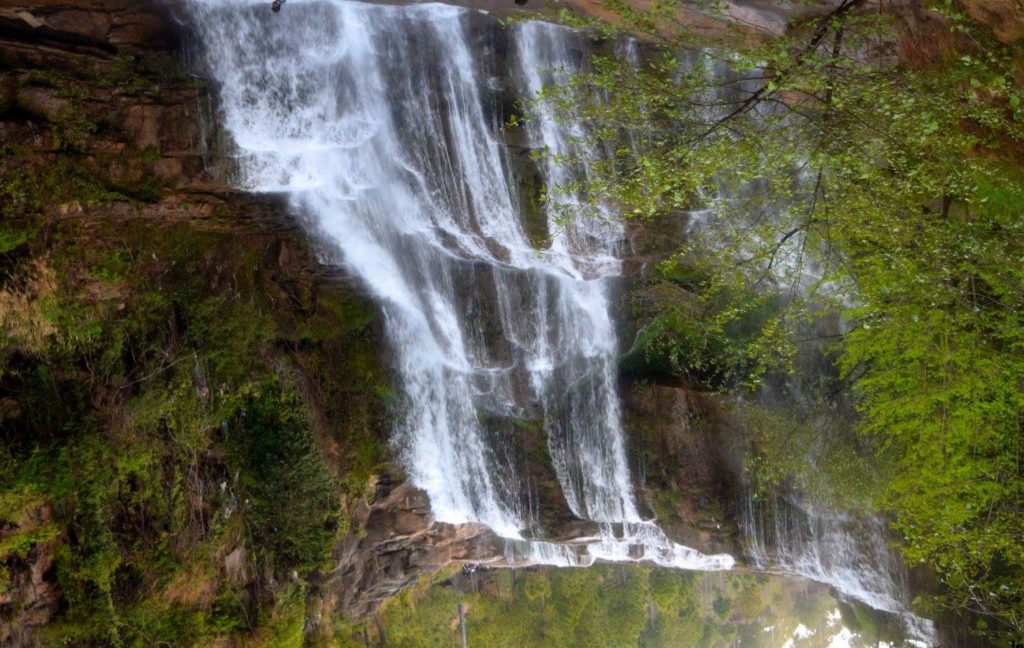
column 374, row 121
column 378, row 122
column 849, row 552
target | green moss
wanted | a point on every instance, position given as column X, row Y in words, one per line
column 27, row 188
column 228, row 612
column 665, row 503
column 532, row 203
column 714, row 336
column 12, row 237
column 196, row 393
column 20, row 512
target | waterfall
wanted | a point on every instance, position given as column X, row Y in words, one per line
column 851, row 553
column 380, row 125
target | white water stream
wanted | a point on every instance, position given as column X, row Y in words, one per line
column 378, row 123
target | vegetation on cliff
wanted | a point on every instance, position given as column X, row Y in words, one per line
column 157, row 405
column 865, row 165
column 188, row 403
column 189, row 407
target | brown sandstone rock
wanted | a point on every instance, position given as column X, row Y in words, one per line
column 91, row 25
column 8, row 92
column 401, row 543
column 44, row 103
column 235, row 565
column 1005, row 17
column 107, row 25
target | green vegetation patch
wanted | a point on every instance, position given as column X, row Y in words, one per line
column 168, row 412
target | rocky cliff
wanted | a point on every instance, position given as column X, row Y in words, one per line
column 154, row 320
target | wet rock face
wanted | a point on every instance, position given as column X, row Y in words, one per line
column 687, row 463
column 106, row 26
column 30, row 595
column 399, row 542
column 73, row 87
column 775, row 16
column 1005, row 17
column 103, row 80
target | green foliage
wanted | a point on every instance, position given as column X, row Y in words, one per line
column 837, row 179
column 809, row 450
column 286, row 628
column 173, row 392
column 11, row 238
column 28, row 187
column 114, row 504
column 939, row 365
column 25, row 525
column 294, row 510
column 708, row 333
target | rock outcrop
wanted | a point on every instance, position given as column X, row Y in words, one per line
column 398, row 544
column 88, row 26
column 102, row 82
column 29, row 595
column 106, row 143
column 689, row 464
column 1004, row 17
column 98, row 116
